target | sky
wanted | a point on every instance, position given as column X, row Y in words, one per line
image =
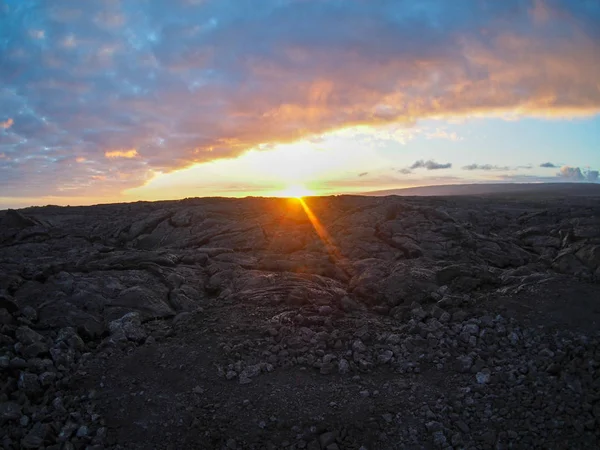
column 121, row 100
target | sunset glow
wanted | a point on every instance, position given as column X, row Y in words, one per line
column 111, row 101
column 295, row 191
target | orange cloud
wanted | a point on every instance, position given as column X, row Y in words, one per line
column 7, row 124
column 80, row 159
column 512, row 73
column 132, row 153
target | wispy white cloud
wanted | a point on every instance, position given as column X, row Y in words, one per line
column 485, row 167
column 443, row 134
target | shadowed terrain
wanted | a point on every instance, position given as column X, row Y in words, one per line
column 536, row 190
column 327, row 323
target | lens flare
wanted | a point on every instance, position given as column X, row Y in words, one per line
column 326, row 239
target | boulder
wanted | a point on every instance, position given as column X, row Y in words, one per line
column 128, row 327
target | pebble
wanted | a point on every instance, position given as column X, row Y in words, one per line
column 244, row 380
column 10, row 411
column 483, row 377
column 327, row 438
column 387, row 417
column 343, row 366
column 385, row 357
column 35, row 438
column 439, row 438
column 325, row 310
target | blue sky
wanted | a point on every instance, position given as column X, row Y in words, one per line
column 116, row 100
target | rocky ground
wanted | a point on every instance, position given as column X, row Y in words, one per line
column 351, row 323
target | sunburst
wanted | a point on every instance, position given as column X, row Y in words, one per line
column 295, row 191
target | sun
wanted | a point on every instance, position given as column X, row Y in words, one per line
column 295, row 191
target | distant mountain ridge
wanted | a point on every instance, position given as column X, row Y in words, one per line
column 585, row 189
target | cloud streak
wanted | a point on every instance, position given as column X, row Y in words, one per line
column 485, row 167
column 187, row 81
column 430, row 165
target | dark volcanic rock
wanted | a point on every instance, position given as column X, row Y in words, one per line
column 392, row 323
column 14, row 219
column 8, row 303
column 10, row 411
column 98, row 272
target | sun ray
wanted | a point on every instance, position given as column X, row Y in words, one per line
column 324, row 236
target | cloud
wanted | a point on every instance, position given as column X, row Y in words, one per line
column 430, row 165
column 405, row 171
column 566, row 174
column 593, row 176
column 571, row 173
column 485, row 167
column 548, row 165
column 132, row 153
column 576, row 174
column 7, row 124
column 363, row 174
column 189, row 81
column 443, row 134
